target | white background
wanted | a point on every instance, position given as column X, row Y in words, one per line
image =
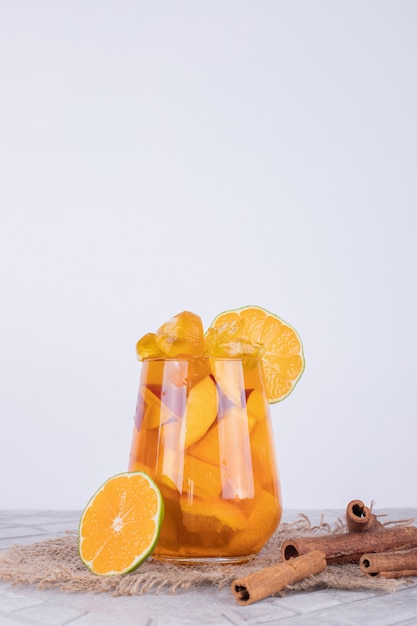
column 157, row 156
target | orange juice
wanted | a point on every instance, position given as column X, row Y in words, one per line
column 202, row 432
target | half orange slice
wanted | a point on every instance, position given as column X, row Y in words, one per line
column 277, row 344
column 120, row 525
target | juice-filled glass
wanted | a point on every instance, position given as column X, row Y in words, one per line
column 202, row 431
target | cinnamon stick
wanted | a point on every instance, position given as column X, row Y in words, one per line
column 360, row 517
column 349, row 547
column 268, row 581
column 393, row 564
column 406, row 573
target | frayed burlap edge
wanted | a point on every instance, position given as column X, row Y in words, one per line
column 55, row 564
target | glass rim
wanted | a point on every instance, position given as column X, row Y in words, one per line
column 190, row 358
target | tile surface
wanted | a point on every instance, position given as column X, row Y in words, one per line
column 204, row 606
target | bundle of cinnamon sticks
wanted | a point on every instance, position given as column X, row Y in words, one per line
column 378, row 550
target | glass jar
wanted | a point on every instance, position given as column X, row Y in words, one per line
column 202, row 431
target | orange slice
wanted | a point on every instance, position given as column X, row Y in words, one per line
column 200, row 410
column 256, row 407
column 120, row 525
column 228, row 374
column 157, row 413
column 281, row 351
column 262, row 522
column 199, row 516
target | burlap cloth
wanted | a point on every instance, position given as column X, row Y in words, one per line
column 55, row 563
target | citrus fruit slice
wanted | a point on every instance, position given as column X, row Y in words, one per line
column 281, row 351
column 262, row 522
column 120, row 525
column 200, row 410
column 199, row 516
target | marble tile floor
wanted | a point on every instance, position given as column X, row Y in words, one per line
column 20, row 605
